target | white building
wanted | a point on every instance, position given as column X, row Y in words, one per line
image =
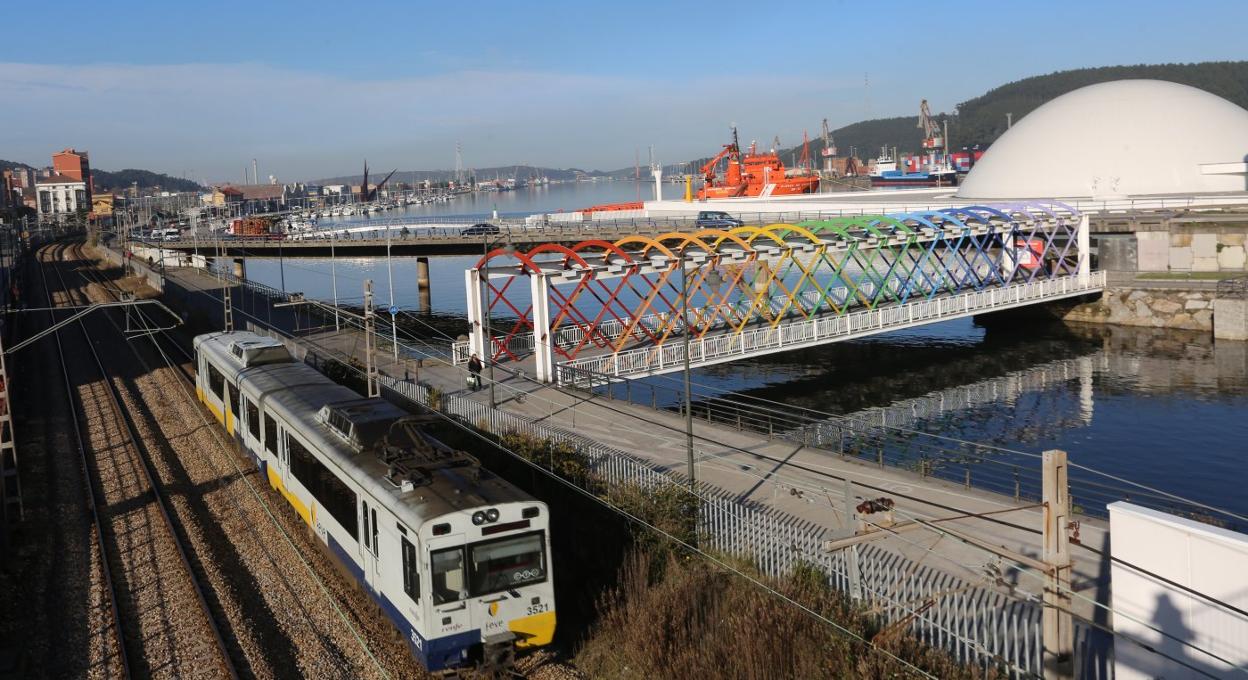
column 61, row 195
column 1118, row 140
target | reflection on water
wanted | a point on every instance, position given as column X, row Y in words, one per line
column 1163, row 408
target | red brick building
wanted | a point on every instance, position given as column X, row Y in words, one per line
column 76, row 165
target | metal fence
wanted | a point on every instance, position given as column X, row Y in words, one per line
column 795, row 334
column 975, row 623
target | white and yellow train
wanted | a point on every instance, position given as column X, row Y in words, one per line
column 456, row 557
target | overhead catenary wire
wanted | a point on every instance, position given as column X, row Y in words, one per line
column 1079, row 595
column 241, row 474
column 1028, row 571
column 632, row 518
column 721, row 444
column 775, row 408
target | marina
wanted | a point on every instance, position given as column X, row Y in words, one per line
column 546, row 358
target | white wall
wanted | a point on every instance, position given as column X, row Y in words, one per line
column 1200, row 557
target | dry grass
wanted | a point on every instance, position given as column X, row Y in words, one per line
column 675, row 616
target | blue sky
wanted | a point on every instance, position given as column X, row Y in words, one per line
column 310, row 88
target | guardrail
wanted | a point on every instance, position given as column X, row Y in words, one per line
column 613, row 328
column 978, row 625
column 792, row 335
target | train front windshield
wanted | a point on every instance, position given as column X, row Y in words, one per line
column 506, row 563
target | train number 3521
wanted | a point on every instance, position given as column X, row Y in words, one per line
column 537, row 609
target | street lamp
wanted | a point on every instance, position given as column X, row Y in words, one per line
column 486, row 244
column 394, row 324
column 715, row 280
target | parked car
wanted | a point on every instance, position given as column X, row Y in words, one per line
column 481, row 229
column 717, row 218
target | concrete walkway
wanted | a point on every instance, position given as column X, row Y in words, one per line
column 805, row 482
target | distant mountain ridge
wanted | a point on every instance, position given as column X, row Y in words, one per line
column 981, row 120
column 524, row 172
column 121, row 180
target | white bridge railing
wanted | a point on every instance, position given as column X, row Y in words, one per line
column 795, row 334
column 613, row 328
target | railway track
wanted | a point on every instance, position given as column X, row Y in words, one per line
column 160, row 615
column 289, row 611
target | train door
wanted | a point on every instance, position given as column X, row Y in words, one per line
column 369, row 535
column 251, row 429
column 448, row 574
column 233, row 421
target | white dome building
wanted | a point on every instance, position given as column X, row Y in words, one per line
column 1125, row 138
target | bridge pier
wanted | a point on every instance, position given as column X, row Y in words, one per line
column 240, row 268
column 422, row 284
column 476, row 289
column 542, row 350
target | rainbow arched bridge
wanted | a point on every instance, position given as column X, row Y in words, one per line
column 640, row 305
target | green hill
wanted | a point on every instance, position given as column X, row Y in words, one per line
column 982, row 119
column 120, row 180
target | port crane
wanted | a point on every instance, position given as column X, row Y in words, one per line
column 730, row 151
column 829, row 149
column 932, row 139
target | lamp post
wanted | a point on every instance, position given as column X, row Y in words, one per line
column 489, row 333
column 333, row 274
column 684, row 320
column 394, row 324
column 714, row 280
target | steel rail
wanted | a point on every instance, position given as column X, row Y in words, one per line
column 92, row 501
column 151, row 477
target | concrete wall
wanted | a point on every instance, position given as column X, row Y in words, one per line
column 1184, row 248
column 1178, row 554
column 1152, row 307
column 140, row 268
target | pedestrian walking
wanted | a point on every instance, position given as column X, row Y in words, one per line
column 474, row 372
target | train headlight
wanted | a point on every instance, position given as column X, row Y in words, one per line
column 478, row 518
column 491, row 515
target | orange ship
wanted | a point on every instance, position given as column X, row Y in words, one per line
column 756, row 174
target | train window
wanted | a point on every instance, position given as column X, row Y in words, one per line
column 253, row 418
column 233, row 399
column 333, row 495
column 505, row 563
column 411, row 575
column 376, row 548
column 448, row 575
column 216, row 383
column 364, row 521
column 270, row 435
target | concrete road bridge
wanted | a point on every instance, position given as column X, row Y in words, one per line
column 642, row 305
column 444, row 235
column 438, row 235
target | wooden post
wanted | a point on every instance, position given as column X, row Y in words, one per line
column 853, row 525
column 1058, row 626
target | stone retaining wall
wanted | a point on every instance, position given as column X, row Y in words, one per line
column 1151, row 307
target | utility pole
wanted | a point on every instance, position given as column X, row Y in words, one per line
column 1057, row 622
column 684, row 316
column 370, row 340
column 333, row 274
column 394, row 324
column 489, row 334
column 227, row 297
